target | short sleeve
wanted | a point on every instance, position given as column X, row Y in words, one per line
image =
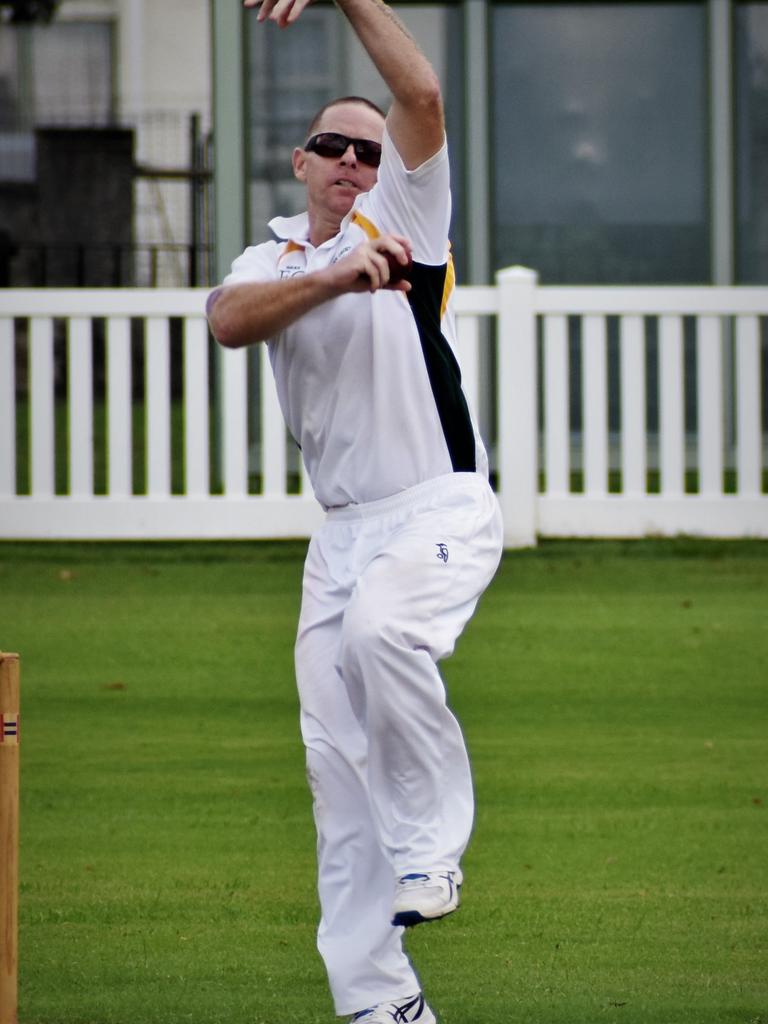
column 257, row 263
column 414, row 203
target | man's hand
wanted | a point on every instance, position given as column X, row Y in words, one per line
column 379, row 263
column 284, row 12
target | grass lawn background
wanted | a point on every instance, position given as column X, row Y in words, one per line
column 615, row 702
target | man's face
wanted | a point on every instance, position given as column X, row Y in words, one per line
column 334, row 182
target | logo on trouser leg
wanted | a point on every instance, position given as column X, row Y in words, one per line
column 442, row 552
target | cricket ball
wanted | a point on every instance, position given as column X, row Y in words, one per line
column 397, row 270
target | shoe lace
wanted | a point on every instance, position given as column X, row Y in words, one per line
column 398, row 1012
column 414, row 880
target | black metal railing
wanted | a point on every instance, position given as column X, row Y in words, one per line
column 94, row 265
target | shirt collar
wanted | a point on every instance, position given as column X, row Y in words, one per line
column 292, row 229
column 296, row 229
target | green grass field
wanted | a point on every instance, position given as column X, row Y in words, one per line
column 615, row 701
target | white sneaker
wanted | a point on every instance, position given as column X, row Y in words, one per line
column 402, row 1012
column 426, row 897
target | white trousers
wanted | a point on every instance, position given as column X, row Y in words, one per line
column 388, row 587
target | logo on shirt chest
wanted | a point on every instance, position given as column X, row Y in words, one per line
column 292, row 270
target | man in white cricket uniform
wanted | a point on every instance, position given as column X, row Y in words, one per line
column 370, row 388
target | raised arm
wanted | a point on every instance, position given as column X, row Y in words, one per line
column 415, row 120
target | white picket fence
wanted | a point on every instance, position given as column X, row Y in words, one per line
column 614, row 474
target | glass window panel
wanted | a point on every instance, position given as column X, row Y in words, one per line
column 8, row 86
column 73, row 73
column 294, row 72
column 600, row 159
column 54, row 74
column 752, row 148
column 51, row 74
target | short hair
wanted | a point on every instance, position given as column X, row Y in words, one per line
column 361, row 100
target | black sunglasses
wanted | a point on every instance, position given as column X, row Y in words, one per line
column 332, row 144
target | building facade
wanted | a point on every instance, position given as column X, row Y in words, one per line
column 596, row 142
column 100, row 67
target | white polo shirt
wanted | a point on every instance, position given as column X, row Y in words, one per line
column 369, row 383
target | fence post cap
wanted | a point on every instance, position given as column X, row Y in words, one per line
column 517, row 275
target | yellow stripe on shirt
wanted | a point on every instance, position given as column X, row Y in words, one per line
column 367, row 225
column 450, row 281
column 291, row 247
